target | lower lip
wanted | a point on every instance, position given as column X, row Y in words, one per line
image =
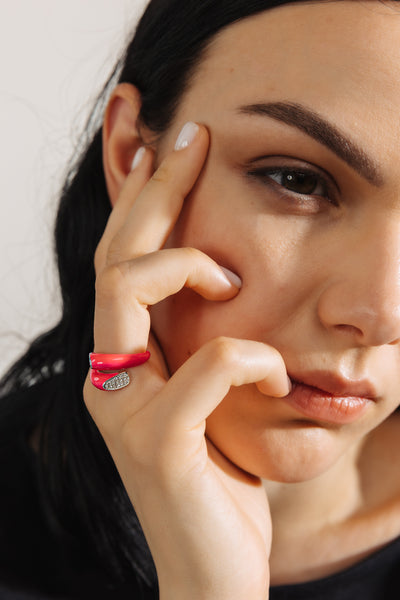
column 322, row 406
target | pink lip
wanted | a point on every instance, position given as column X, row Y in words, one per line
column 330, row 398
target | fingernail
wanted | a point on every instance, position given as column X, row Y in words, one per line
column 186, row 136
column 233, row 278
column 289, row 385
column 138, row 158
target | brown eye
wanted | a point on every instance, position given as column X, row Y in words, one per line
column 298, row 182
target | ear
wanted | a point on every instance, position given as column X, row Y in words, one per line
column 121, row 136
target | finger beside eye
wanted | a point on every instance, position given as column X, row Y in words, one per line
column 134, row 184
column 157, row 207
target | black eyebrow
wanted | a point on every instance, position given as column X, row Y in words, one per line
column 322, row 131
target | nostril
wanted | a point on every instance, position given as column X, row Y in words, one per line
column 349, row 329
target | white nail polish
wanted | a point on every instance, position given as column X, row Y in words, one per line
column 233, row 278
column 137, row 159
column 186, row 136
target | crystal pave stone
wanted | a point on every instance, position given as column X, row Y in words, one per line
column 117, row 382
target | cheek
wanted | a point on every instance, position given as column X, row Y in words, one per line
column 266, row 302
column 267, row 251
column 276, row 305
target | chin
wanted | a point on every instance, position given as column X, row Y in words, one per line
column 294, row 454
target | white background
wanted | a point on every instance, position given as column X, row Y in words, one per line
column 55, row 55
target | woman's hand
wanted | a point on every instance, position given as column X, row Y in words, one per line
column 207, row 522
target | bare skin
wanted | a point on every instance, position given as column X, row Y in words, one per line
column 148, row 432
column 320, row 293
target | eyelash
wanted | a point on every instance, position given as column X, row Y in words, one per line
column 328, row 189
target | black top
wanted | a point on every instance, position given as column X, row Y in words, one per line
column 33, row 566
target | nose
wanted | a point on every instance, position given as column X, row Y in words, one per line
column 362, row 296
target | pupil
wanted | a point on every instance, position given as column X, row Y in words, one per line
column 302, row 183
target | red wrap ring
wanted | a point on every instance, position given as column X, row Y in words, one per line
column 113, row 380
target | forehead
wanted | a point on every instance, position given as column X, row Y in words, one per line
column 297, row 43
column 341, row 58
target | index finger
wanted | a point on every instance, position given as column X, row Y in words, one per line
column 157, row 207
column 133, row 185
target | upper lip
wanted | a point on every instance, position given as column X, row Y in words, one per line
column 336, row 384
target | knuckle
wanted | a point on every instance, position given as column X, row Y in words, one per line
column 224, row 351
column 113, row 254
column 193, row 254
column 110, row 281
column 163, row 175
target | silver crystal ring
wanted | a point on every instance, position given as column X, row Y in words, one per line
column 103, row 374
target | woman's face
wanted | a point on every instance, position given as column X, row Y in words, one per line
column 300, row 196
